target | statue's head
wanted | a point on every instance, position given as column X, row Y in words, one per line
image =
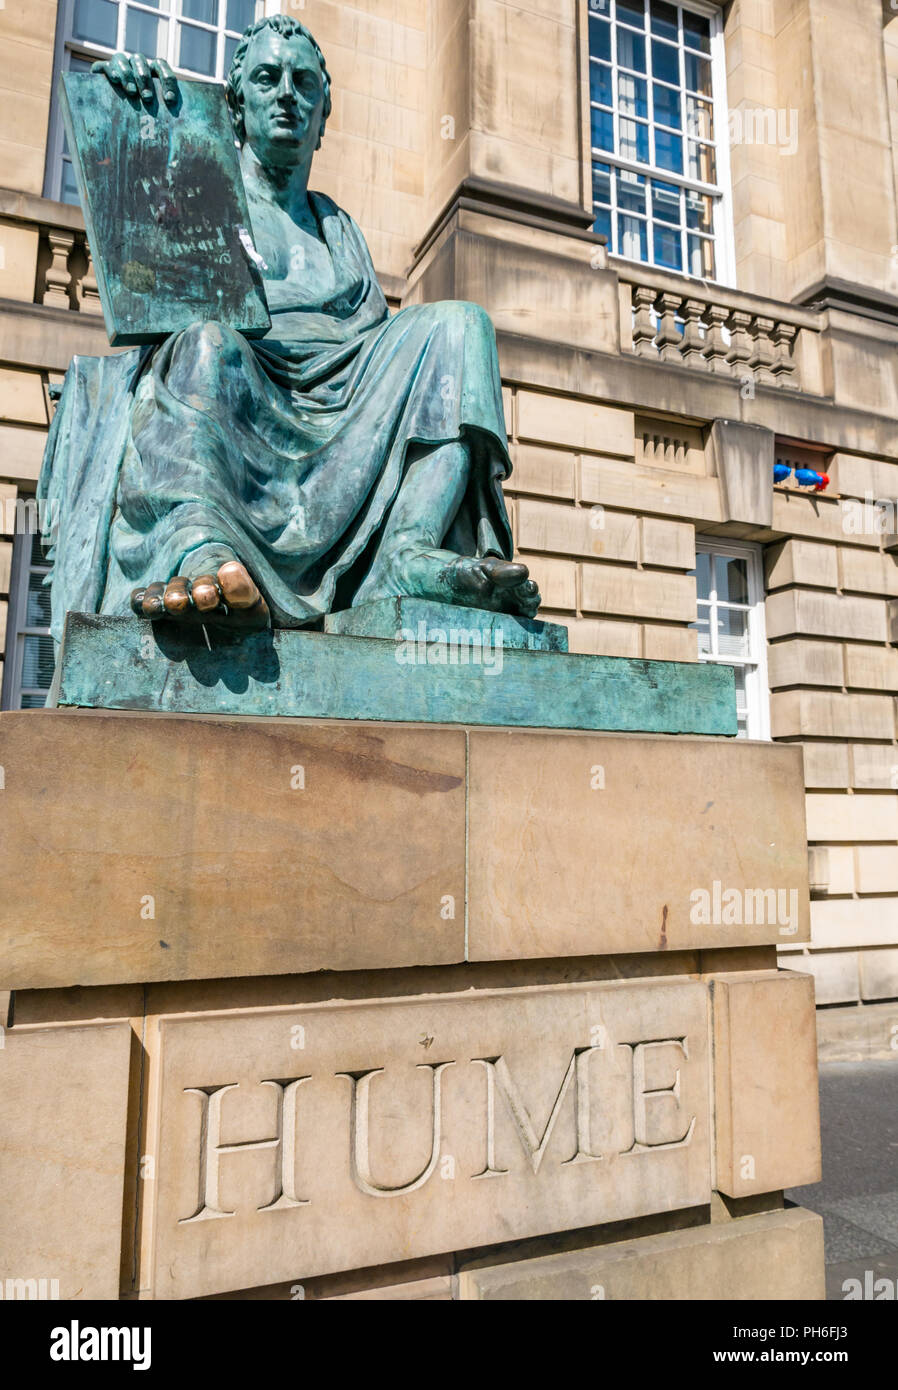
column 279, row 91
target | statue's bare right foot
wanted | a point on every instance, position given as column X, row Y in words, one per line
column 230, row 598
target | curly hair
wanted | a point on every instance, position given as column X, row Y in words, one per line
column 287, row 26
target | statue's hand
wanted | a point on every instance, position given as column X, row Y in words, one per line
column 133, row 73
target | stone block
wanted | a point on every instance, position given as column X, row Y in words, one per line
column 775, row 1256
column 824, row 714
column 802, row 562
column 637, row 593
column 835, row 975
column 871, row 668
column 322, row 675
column 767, row 1115
column 874, row 768
column 800, row 612
column 868, row 572
column 855, row 476
column 667, row 544
column 879, row 975
column 543, row 472
column 855, row 922
column 665, row 491
column 605, row 638
column 832, row 819
column 63, row 1113
column 664, row 642
column 610, row 802
column 22, row 451
column 742, row 457
column 594, row 532
column 403, row 1128
column 192, row 849
column 575, row 424
column 877, row 868
column 22, row 400
column 18, row 260
column 827, row 765
column 799, row 662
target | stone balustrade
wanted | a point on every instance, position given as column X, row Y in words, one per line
column 713, row 329
column 65, row 271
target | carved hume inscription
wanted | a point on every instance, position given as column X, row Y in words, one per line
column 296, row 1142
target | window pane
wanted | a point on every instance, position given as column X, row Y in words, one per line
column 699, row 118
column 145, row 34
column 69, row 192
column 631, row 50
column 703, row 628
column 602, row 7
column 703, row 574
column 197, row 50
column 602, row 129
column 666, row 62
column 702, row 163
column 699, row 211
column 633, row 95
column 599, row 39
column 37, row 602
column 634, row 141
column 741, row 693
column 668, row 247
column 601, row 183
column 732, row 579
column 732, row 632
column 602, row 224
column 630, row 192
column 697, row 31
column 633, row 238
column 698, row 74
column 666, row 202
column 38, row 662
column 33, row 701
column 600, row 88
column 668, row 109
column 669, row 151
column 96, row 21
column 664, row 21
column 229, row 51
column 205, row 10
column 241, row 14
column 702, row 260
column 38, row 552
column 631, row 12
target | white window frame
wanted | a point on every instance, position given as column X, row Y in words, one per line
column 16, row 629
column 67, row 47
column 723, row 235
column 757, row 688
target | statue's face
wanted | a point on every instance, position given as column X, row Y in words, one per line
column 283, row 98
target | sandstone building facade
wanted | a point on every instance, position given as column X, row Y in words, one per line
column 683, row 221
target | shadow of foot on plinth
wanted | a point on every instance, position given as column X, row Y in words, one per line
column 215, row 657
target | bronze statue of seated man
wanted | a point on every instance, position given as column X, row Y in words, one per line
column 347, row 456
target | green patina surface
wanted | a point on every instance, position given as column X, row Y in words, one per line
column 163, row 203
column 400, row 619
column 120, row 663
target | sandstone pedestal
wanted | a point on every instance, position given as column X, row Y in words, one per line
column 331, row 1009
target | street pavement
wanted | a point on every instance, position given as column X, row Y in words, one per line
column 858, row 1197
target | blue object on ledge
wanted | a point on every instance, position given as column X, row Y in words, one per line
column 122, row 663
column 781, row 472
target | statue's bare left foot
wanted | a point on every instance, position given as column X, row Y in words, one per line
column 230, row 599
column 499, row 585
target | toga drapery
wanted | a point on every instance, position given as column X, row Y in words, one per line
column 290, row 449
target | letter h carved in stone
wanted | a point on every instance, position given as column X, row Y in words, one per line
column 211, row 1149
